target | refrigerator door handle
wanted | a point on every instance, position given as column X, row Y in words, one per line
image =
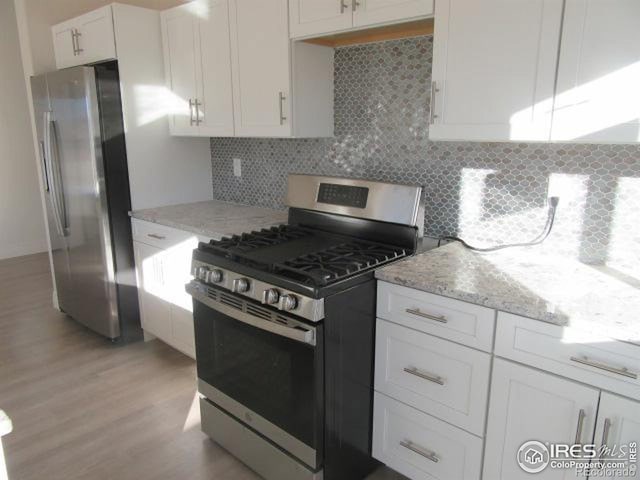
column 45, row 172
column 55, row 175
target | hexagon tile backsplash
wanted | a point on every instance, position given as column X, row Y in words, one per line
column 485, row 192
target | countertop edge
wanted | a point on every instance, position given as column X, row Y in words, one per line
column 479, row 300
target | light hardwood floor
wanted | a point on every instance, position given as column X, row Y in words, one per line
column 83, row 408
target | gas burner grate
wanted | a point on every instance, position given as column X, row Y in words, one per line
column 267, row 237
column 338, row 262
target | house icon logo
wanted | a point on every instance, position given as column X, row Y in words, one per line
column 533, row 456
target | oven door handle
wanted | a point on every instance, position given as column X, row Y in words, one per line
column 300, row 333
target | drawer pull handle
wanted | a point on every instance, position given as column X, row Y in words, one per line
column 617, row 370
column 409, row 445
column 605, row 436
column 424, row 375
column 156, row 236
column 581, row 416
column 416, row 311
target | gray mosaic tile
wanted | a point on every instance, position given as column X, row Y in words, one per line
column 487, row 192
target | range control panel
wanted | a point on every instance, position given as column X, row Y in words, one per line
column 343, row 195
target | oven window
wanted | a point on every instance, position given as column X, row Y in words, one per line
column 278, row 378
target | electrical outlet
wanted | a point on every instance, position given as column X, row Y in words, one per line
column 237, row 167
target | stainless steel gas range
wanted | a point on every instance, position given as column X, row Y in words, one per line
column 285, row 325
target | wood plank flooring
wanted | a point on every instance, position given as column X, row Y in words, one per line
column 83, row 408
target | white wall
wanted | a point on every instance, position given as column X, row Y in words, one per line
column 21, row 219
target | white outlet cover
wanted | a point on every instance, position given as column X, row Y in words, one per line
column 237, row 167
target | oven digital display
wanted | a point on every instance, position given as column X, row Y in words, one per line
column 343, row 195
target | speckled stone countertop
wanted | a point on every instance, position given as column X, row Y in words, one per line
column 524, row 282
column 213, row 219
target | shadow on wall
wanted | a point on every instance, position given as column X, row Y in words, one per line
column 486, row 192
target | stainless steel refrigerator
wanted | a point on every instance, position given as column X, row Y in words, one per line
column 82, row 148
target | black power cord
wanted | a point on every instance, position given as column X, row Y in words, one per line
column 553, row 205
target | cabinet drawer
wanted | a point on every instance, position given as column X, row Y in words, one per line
column 438, row 377
column 420, row 446
column 583, row 356
column 158, row 235
column 444, row 317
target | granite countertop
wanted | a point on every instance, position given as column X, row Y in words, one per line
column 213, row 219
column 525, row 282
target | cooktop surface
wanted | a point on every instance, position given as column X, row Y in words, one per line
column 302, row 255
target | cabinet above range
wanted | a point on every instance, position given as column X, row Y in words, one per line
column 233, row 71
column 317, row 17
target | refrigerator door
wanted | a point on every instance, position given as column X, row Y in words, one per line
column 59, row 252
column 82, row 212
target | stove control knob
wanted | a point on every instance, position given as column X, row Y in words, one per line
column 270, row 296
column 240, row 285
column 214, row 276
column 288, row 302
column 201, row 273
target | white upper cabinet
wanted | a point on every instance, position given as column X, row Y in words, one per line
column 598, row 93
column 233, row 71
column 314, row 17
column 310, row 17
column 372, row 12
column 64, row 44
column 215, row 94
column 280, row 88
column 260, row 58
column 198, row 68
column 179, row 37
column 494, row 69
column 85, row 39
column 528, row 404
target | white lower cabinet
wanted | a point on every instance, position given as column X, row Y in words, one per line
column 528, row 404
column 618, row 423
column 163, row 264
column 421, row 446
column 433, row 375
column 155, row 312
column 550, row 384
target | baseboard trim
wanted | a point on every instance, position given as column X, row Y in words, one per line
column 21, row 249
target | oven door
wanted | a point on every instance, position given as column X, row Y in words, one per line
column 263, row 367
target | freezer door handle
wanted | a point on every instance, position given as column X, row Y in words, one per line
column 55, row 175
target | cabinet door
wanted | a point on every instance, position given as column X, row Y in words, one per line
column 494, row 67
column 618, row 424
column 597, row 97
column 96, row 40
column 311, row 17
column 179, row 44
column 527, row 404
column 177, row 270
column 215, row 95
column 155, row 310
column 64, row 45
column 260, row 59
column 370, row 12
